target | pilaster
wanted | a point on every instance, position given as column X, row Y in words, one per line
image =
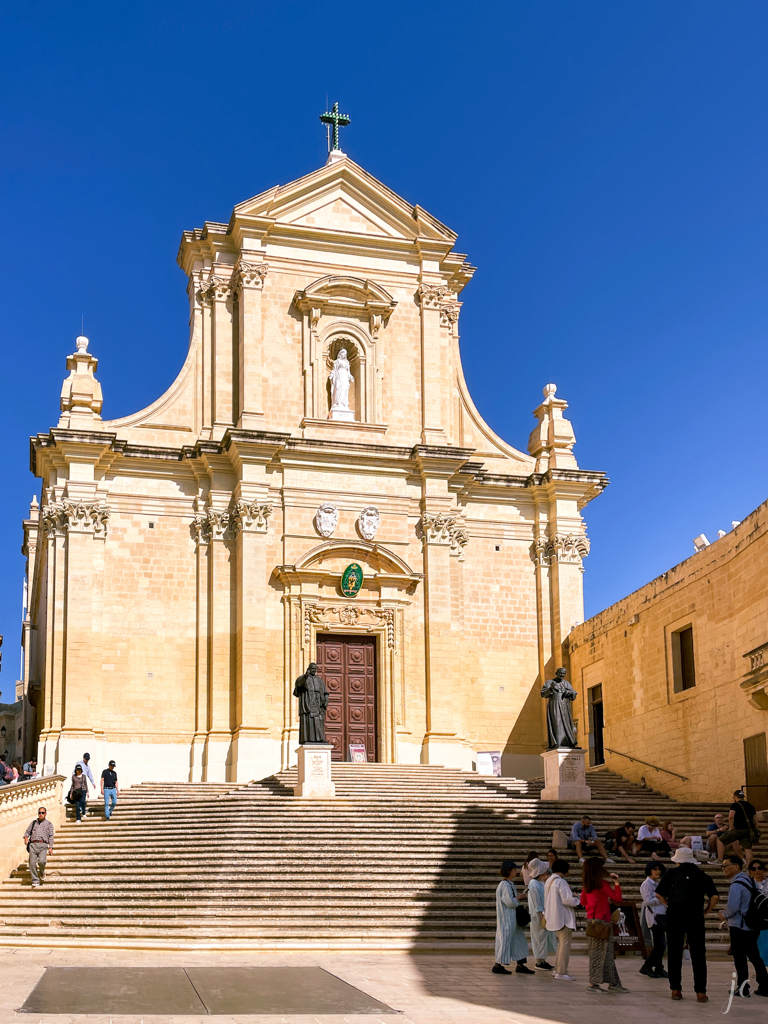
column 249, row 288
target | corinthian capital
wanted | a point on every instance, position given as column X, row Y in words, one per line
column 449, row 314
column 567, row 548
column 431, row 295
column 218, row 290
column 250, row 517
column 249, row 275
column 438, row 528
column 63, row 517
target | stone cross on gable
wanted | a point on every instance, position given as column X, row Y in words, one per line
column 333, row 117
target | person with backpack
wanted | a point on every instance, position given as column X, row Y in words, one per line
column 6, row 772
column 39, row 840
column 757, row 874
column 683, row 891
column 743, row 919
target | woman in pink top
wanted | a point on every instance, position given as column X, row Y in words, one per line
column 596, row 897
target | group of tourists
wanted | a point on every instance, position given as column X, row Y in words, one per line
column 676, row 901
column 13, row 771
column 78, row 790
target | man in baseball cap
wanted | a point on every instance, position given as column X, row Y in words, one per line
column 109, row 789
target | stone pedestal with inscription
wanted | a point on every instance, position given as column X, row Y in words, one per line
column 315, row 772
column 565, row 774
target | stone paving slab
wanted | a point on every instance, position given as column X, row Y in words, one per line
column 425, row 989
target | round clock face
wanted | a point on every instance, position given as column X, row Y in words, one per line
column 351, row 580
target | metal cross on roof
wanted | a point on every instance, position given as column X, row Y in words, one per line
column 333, row 117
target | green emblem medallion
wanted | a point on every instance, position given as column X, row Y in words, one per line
column 351, row 580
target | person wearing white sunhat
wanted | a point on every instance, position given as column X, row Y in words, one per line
column 683, row 891
column 543, row 941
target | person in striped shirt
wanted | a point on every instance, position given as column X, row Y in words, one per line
column 39, row 840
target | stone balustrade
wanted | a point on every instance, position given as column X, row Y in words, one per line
column 18, row 806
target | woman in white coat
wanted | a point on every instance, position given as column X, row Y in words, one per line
column 560, row 916
column 511, row 943
column 543, row 941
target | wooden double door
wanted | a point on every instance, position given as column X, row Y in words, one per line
column 347, row 664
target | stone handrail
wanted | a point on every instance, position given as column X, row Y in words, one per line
column 18, row 806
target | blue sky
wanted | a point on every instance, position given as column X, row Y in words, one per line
column 604, row 164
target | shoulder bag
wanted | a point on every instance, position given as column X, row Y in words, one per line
column 597, row 929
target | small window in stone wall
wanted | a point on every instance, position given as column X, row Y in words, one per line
column 683, row 668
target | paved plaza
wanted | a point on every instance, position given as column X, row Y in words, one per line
column 420, row 989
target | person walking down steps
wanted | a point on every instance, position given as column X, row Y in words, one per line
column 39, row 840
column 109, row 789
column 511, row 943
column 78, row 792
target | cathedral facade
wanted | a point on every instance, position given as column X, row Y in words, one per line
column 316, row 485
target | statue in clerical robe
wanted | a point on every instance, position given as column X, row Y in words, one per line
column 561, row 732
column 313, row 702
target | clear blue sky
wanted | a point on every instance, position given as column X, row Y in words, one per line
column 604, row 163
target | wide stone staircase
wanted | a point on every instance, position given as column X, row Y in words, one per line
column 405, row 857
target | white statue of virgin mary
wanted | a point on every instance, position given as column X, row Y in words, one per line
column 341, row 379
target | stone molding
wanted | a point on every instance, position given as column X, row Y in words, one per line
column 62, row 517
column 367, row 619
column 438, row 528
column 569, row 549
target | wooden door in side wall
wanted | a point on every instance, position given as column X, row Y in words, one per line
column 756, row 770
column 347, row 664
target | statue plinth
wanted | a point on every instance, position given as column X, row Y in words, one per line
column 565, row 776
column 315, row 772
column 346, row 415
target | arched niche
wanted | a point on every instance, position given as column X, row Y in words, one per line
column 334, row 340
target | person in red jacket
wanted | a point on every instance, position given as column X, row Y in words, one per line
column 599, row 888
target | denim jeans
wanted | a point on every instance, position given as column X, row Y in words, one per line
column 80, row 805
column 110, row 799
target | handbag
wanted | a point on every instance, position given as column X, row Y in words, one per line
column 522, row 915
column 597, row 929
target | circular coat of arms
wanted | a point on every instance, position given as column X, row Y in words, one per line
column 351, row 580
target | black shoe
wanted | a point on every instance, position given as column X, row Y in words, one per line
column 542, row 965
column 523, row 969
column 761, row 992
column 647, row 971
column 498, row 969
column 661, row 973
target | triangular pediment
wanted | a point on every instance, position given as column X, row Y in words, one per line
column 342, row 197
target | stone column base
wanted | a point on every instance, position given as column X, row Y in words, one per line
column 565, row 774
column 315, row 772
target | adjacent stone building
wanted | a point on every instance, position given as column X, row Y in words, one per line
column 676, row 674
column 185, row 563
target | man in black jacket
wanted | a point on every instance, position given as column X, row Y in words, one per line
column 683, row 891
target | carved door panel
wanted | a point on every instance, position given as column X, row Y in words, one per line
column 348, row 666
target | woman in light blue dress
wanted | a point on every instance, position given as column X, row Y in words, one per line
column 511, row 943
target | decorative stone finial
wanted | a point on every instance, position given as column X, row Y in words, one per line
column 552, row 441
column 81, row 392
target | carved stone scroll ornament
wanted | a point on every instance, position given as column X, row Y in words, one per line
column 368, row 522
column 249, row 275
column 445, row 529
column 218, row 290
column 60, row 517
column 366, row 619
column 431, row 295
column 449, row 314
column 250, row 516
column 326, row 519
column 566, row 548
column 210, row 525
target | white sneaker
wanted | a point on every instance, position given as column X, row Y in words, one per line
column 581, row 860
column 609, row 860
column 563, row 977
column 78, row 821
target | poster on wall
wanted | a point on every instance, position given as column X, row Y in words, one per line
column 489, row 762
column 357, row 753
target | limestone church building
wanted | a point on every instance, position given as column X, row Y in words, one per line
column 186, row 563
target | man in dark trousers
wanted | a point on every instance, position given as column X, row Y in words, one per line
column 39, row 840
column 683, row 891
column 743, row 938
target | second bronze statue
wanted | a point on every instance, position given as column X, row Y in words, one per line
column 313, row 703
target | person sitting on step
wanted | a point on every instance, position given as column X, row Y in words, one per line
column 584, row 840
column 650, row 839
